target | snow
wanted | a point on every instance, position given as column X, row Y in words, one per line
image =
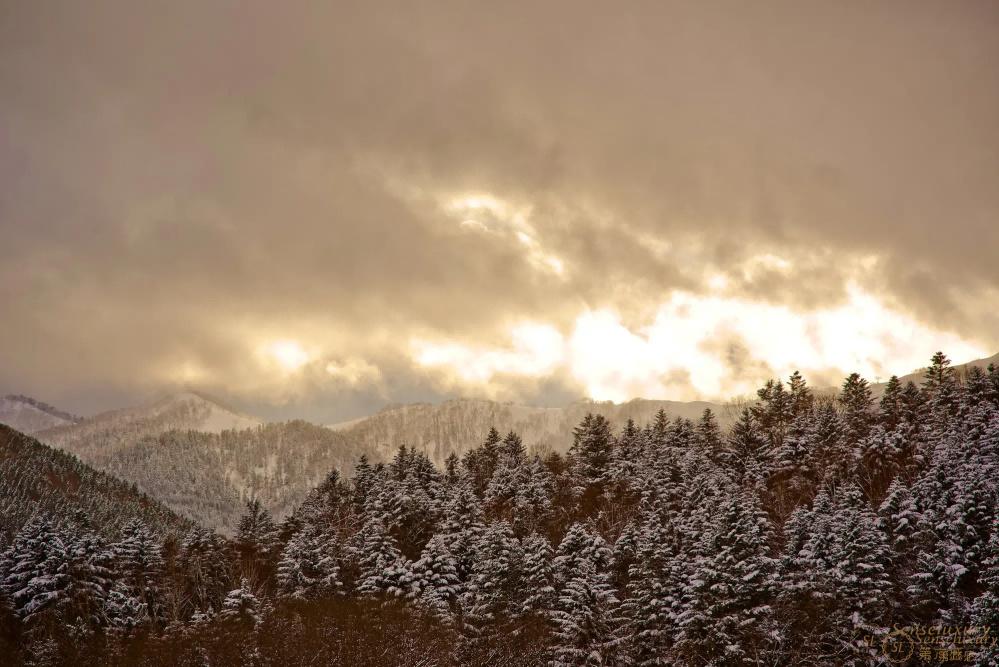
column 22, row 416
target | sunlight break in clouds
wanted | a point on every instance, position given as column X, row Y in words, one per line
column 288, row 355
column 699, row 347
column 488, row 214
column 536, row 350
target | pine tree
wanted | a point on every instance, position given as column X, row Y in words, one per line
column 748, row 452
column 585, row 620
column 124, row 611
column 857, row 404
column 33, row 569
column 892, row 406
column 495, row 579
column 709, row 436
column 861, row 571
column 139, row 564
column 481, row 462
column 726, row 608
column 309, row 567
column 942, row 391
column 986, row 607
column 205, row 568
column 435, row 581
column 257, row 541
column 579, row 546
column 591, row 455
column 627, row 458
column 382, row 569
column 649, row 611
column 774, row 411
column 362, row 484
column 242, row 606
column 538, row 577
column 88, row 581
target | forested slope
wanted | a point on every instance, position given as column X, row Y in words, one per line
column 36, row 479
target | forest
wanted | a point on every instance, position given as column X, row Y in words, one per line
column 822, row 528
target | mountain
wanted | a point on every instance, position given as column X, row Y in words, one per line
column 210, row 476
column 27, row 415
column 37, row 478
column 107, row 432
column 458, row 425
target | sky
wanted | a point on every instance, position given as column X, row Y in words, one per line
column 318, row 209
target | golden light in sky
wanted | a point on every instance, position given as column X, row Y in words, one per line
column 686, row 352
column 288, row 354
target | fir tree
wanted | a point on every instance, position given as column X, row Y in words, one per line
column 309, row 567
column 538, row 577
column 382, row 569
column 585, row 620
column 726, row 607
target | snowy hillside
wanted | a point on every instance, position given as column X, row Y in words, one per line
column 35, row 478
column 27, row 415
column 209, row 477
column 109, row 431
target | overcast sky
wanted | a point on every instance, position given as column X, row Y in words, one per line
column 315, row 209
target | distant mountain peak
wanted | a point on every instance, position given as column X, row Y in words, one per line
column 29, row 415
column 44, row 407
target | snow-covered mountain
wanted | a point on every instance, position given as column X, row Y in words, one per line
column 106, row 432
column 27, row 415
column 458, row 425
column 205, row 460
column 35, row 478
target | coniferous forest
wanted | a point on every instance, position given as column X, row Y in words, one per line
column 820, row 529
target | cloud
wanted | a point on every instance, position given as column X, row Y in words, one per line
column 188, row 183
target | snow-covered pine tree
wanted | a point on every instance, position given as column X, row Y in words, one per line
column 726, row 610
column 242, row 606
column 590, row 455
column 382, row 569
column 124, row 611
column 857, row 406
column 434, row 581
column 538, row 577
column 747, row 452
column 495, row 580
column 586, row 620
column 578, row 546
column 257, row 540
column 309, row 567
column 863, row 587
column 138, row 563
column 33, row 569
column 206, row 570
column 709, row 435
column 649, row 610
column 481, row 462
column 985, row 615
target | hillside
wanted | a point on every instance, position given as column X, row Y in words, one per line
column 209, row 477
column 107, row 432
column 458, row 425
column 36, row 478
column 27, row 415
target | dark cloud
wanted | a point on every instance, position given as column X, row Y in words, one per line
column 182, row 182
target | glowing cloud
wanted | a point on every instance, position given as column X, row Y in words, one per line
column 485, row 213
column 536, row 350
column 705, row 347
column 288, row 355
